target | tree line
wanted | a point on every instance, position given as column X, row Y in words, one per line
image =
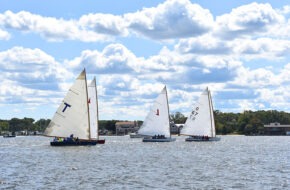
column 248, row 122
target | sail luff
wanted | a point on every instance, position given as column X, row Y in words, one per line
column 212, row 115
column 167, row 109
column 87, row 98
column 210, row 110
column 93, row 108
column 97, row 103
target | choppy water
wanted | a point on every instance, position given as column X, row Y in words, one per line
column 235, row 162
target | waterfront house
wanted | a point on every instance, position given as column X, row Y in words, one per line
column 276, row 129
column 126, row 127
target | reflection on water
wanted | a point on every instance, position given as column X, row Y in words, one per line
column 235, row 162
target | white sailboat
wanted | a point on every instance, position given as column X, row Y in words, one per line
column 94, row 111
column 156, row 126
column 200, row 125
column 71, row 124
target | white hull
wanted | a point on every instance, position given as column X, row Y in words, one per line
column 202, row 139
column 150, row 139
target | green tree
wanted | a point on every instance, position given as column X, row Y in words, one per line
column 4, row 126
column 177, row 117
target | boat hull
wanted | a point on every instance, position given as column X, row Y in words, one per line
column 159, row 140
column 101, row 141
column 75, row 143
column 9, row 136
column 200, row 139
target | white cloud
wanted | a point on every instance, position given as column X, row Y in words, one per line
column 31, row 67
column 115, row 58
column 247, row 21
column 172, row 19
column 209, row 46
column 104, row 24
column 222, row 58
column 285, row 10
column 266, row 48
column 256, row 78
column 206, row 44
column 50, row 28
column 4, row 35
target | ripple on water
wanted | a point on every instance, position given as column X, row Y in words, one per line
column 235, row 162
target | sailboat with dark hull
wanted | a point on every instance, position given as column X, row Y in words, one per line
column 200, row 125
column 75, row 122
column 156, row 127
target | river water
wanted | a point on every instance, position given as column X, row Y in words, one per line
column 235, row 162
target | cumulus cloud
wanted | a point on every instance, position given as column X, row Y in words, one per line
column 206, row 44
column 4, row 35
column 170, row 20
column 256, row 78
column 262, row 48
column 54, row 29
column 114, row 58
column 104, row 24
column 31, row 67
column 12, row 92
column 265, row 48
column 247, row 20
column 220, row 54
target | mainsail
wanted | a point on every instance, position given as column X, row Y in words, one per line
column 72, row 115
column 201, row 119
column 157, row 120
column 93, row 109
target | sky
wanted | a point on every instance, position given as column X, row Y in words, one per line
column 240, row 50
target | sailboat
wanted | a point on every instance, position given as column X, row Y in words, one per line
column 200, row 125
column 94, row 112
column 72, row 125
column 156, row 127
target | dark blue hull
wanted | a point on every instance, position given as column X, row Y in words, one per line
column 9, row 136
column 201, row 139
column 74, row 143
column 159, row 139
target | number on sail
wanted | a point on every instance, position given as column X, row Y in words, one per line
column 194, row 113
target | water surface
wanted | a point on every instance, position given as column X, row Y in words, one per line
column 235, row 162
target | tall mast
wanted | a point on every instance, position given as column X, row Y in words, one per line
column 87, row 104
column 211, row 111
column 167, row 109
column 97, row 108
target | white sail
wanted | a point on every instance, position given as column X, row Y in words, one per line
column 157, row 120
column 201, row 120
column 93, row 109
column 72, row 116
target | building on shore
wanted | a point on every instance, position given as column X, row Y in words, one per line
column 276, row 129
column 175, row 128
column 126, row 127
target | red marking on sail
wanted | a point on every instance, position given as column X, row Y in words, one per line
column 157, row 112
column 89, row 101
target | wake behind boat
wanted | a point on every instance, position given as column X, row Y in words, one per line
column 156, row 126
column 75, row 122
column 200, row 125
column 136, row 135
